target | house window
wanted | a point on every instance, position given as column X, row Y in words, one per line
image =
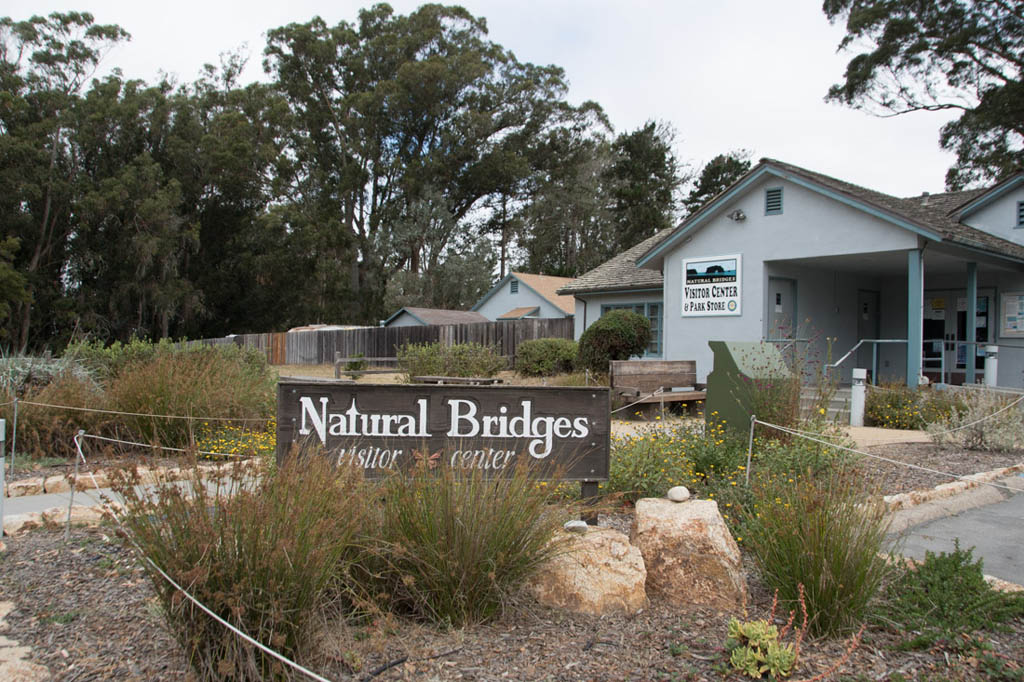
column 513, row 286
column 1020, row 214
column 773, row 201
column 653, row 312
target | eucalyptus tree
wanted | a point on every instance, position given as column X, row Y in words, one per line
column 965, row 56
column 390, row 112
column 44, row 64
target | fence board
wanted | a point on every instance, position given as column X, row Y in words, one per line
column 319, row 347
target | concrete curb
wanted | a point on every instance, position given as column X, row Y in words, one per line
column 918, row 497
column 62, row 483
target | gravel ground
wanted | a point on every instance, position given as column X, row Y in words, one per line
column 88, row 612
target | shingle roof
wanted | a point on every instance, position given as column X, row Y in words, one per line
column 934, row 212
column 548, row 287
column 432, row 316
column 519, row 313
column 621, row 273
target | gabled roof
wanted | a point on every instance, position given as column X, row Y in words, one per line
column 436, row 316
column 989, row 195
column 932, row 216
column 621, row 273
column 545, row 286
column 520, row 313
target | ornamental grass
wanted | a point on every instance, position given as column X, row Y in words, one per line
column 262, row 555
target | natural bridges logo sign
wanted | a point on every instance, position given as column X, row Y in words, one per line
column 379, row 428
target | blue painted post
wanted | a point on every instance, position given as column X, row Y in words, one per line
column 915, row 307
column 972, row 313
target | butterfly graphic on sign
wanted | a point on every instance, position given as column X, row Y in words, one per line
column 426, row 458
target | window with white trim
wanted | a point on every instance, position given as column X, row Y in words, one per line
column 653, row 312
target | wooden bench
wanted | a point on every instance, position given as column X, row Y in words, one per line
column 470, row 381
column 655, row 382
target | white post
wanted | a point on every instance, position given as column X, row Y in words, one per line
column 991, row 365
column 857, row 395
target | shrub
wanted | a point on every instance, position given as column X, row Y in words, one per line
column 946, row 595
column 545, row 357
column 982, row 419
column 616, row 335
column 23, row 373
column 205, row 382
column 898, row 406
column 457, row 360
column 648, row 463
column 49, row 431
column 261, row 558
column 453, row 550
column 825, row 533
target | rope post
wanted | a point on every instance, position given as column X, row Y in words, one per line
column 74, row 484
column 750, row 446
column 14, row 434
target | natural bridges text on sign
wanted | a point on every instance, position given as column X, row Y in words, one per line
column 379, row 428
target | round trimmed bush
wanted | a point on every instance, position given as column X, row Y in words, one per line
column 616, row 335
column 545, row 357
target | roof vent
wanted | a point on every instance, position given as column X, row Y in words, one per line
column 924, row 198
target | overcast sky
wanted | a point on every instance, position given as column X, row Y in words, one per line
column 726, row 74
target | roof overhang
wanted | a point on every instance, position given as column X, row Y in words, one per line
column 653, row 258
column 1000, row 189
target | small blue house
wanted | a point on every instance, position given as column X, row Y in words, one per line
column 521, row 295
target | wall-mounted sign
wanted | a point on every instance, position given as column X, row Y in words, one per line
column 1012, row 317
column 494, row 429
column 712, row 286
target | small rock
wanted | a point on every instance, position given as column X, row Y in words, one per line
column 679, row 493
column 25, row 487
column 576, row 526
column 57, row 484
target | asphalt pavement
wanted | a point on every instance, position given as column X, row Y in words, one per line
column 995, row 530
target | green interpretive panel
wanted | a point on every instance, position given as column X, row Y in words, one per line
column 744, row 373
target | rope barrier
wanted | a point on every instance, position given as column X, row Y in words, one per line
column 977, row 421
column 145, row 414
column 259, row 645
column 107, row 439
column 626, row 407
column 884, row 459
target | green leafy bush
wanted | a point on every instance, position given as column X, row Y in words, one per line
column 454, row 550
column 616, row 335
column 825, row 533
column 898, row 406
column 457, row 360
column 755, row 650
column 262, row 558
column 648, row 463
column 545, row 357
column 946, row 595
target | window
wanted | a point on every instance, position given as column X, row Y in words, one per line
column 1020, row 214
column 773, row 201
column 652, row 311
column 513, row 286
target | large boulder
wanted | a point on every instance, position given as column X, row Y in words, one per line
column 595, row 573
column 689, row 553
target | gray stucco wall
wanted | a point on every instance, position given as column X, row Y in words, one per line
column 810, row 226
column 504, row 300
column 1000, row 217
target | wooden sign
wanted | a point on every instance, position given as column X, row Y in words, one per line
column 493, row 429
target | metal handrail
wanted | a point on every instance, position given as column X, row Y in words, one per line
column 857, row 345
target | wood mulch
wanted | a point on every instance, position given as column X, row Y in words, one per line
column 89, row 613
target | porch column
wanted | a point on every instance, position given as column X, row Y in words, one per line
column 915, row 307
column 972, row 314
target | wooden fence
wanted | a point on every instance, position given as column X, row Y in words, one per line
column 319, row 347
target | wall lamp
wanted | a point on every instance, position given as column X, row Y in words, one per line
column 738, row 216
